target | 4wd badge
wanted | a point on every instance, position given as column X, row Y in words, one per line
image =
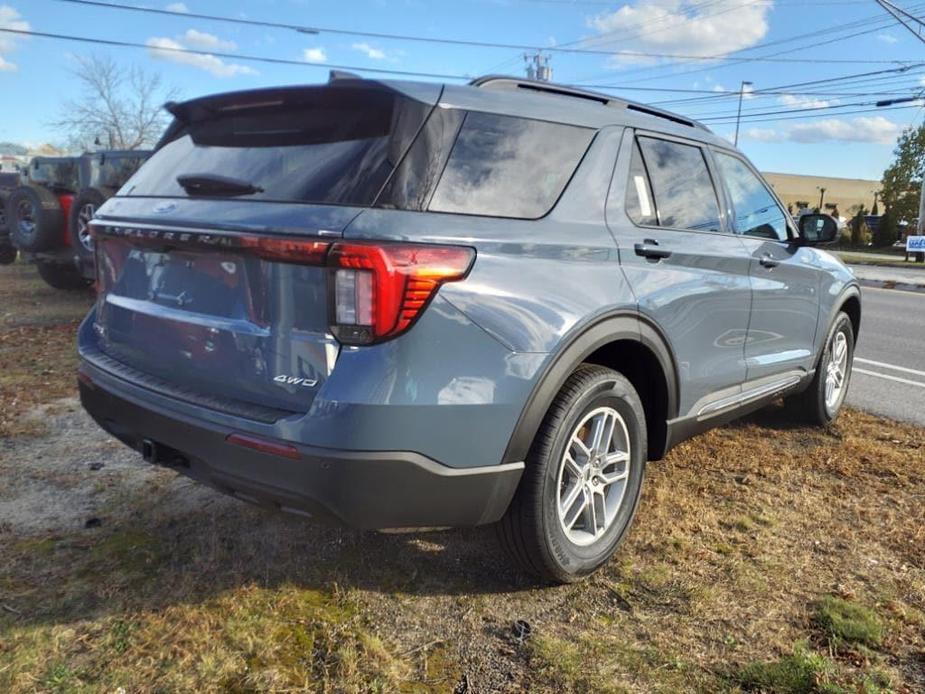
column 284, row 380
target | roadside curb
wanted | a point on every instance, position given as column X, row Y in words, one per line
column 889, row 284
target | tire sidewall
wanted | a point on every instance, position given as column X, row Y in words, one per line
column 94, row 196
column 49, row 219
column 574, row 560
column 842, row 324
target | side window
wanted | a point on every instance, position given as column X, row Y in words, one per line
column 756, row 211
column 682, row 186
column 639, row 204
column 503, row 166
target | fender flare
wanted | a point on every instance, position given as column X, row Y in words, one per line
column 576, row 348
column 848, row 292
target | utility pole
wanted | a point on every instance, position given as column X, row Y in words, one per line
column 537, row 65
column 821, row 198
column 739, row 114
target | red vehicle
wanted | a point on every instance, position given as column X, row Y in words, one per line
column 48, row 217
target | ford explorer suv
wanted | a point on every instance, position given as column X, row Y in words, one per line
column 407, row 305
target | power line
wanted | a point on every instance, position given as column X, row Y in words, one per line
column 231, row 56
column 456, row 42
column 731, row 120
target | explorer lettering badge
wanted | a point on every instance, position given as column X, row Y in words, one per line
column 284, row 380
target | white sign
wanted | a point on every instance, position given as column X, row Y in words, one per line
column 915, row 244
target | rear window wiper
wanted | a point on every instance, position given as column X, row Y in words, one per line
column 212, row 184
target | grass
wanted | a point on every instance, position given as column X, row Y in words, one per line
column 849, row 623
column 801, row 672
column 765, row 557
column 886, row 261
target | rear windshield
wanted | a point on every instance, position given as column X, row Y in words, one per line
column 353, row 146
column 335, row 145
column 58, row 173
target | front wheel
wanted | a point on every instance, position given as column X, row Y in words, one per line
column 582, row 480
column 821, row 402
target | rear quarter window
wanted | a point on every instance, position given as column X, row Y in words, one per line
column 504, row 166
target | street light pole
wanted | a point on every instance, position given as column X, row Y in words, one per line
column 739, row 114
column 821, row 198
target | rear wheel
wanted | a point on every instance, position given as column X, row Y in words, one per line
column 582, row 479
column 61, row 276
column 821, row 402
column 83, row 209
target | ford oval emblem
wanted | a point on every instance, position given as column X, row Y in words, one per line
column 165, row 207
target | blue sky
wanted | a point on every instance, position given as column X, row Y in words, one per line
column 35, row 73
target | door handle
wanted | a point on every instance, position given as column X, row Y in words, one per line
column 769, row 261
column 649, row 249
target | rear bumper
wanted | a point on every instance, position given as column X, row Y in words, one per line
column 364, row 489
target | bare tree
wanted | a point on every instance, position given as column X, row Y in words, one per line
column 118, row 107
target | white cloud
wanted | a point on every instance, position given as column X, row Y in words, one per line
column 315, row 55
column 764, row 135
column 369, row 51
column 169, row 49
column 680, row 27
column 208, row 42
column 799, row 102
column 887, row 38
column 876, row 130
column 10, row 19
column 177, row 7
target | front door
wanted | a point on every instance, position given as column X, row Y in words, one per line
column 785, row 283
column 689, row 273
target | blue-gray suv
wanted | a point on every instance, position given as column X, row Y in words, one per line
column 409, row 305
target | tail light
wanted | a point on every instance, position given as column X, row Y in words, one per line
column 378, row 291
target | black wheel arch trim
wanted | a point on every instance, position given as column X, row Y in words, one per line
column 850, row 291
column 574, row 349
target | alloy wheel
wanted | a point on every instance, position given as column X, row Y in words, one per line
column 84, row 215
column 836, row 370
column 592, row 476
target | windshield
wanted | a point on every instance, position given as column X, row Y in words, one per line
column 334, row 145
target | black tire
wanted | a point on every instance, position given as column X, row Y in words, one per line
column 60, row 276
column 531, row 530
column 7, row 254
column 87, row 199
column 810, row 406
column 35, row 219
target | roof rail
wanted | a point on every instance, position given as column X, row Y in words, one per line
column 514, row 83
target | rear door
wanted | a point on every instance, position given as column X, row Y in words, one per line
column 689, row 273
column 784, row 279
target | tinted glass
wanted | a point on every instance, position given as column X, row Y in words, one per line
column 681, row 182
column 335, row 145
column 414, row 180
column 60, row 173
column 639, row 204
column 503, row 166
column 113, row 171
column 756, row 212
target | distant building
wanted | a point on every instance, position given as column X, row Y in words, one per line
column 843, row 192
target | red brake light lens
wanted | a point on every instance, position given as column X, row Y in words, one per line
column 378, row 291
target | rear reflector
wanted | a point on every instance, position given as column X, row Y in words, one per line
column 379, row 290
column 255, row 443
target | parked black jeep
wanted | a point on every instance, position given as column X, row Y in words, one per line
column 49, row 213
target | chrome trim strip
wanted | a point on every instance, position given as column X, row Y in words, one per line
column 734, row 401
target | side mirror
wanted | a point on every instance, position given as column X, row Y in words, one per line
column 818, row 229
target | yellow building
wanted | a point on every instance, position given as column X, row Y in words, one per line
column 843, row 192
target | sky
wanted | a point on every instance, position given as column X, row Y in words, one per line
column 689, row 56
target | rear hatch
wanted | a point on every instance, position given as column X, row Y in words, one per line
column 210, row 285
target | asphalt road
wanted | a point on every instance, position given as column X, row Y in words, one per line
column 889, row 363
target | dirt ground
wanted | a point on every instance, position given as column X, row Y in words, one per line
column 765, row 557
